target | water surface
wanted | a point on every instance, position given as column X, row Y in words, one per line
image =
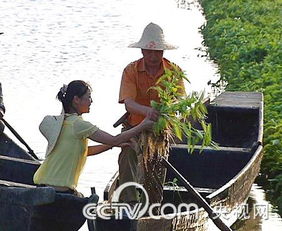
column 52, row 42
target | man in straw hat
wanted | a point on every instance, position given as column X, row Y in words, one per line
column 135, row 93
column 2, row 107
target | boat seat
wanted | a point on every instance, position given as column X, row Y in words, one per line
column 220, row 148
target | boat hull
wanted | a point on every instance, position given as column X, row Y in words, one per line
column 26, row 207
column 223, row 176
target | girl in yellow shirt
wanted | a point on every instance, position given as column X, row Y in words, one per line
column 67, row 136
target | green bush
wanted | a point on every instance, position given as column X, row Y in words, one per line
column 244, row 37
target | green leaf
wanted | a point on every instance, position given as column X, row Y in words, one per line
column 177, row 130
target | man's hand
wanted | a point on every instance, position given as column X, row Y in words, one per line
column 133, row 107
column 152, row 114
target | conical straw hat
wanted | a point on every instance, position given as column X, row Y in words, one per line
column 153, row 39
column 51, row 127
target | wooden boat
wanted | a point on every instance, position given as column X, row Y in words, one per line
column 25, row 207
column 223, row 176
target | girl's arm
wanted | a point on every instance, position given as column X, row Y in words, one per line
column 97, row 149
column 106, row 138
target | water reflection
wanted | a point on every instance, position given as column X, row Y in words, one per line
column 258, row 218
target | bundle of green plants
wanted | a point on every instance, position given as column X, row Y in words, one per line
column 178, row 114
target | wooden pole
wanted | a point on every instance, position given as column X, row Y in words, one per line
column 212, row 215
column 30, row 151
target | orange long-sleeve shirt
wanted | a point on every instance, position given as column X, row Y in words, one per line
column 135, row 85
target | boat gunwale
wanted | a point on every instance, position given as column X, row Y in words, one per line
column 34, row 162
column 238, row 175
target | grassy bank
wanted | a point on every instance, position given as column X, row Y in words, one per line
column 244, row 38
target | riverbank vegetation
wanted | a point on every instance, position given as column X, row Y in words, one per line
column 244, row 38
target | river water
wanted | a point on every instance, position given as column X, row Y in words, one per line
column 47, row 43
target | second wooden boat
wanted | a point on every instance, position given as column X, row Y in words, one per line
column 223, row 176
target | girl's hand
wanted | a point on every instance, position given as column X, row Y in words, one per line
column 133, row 143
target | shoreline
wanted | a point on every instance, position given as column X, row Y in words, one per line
column 243, row 39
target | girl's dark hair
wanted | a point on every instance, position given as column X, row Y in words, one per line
column 74, row 88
